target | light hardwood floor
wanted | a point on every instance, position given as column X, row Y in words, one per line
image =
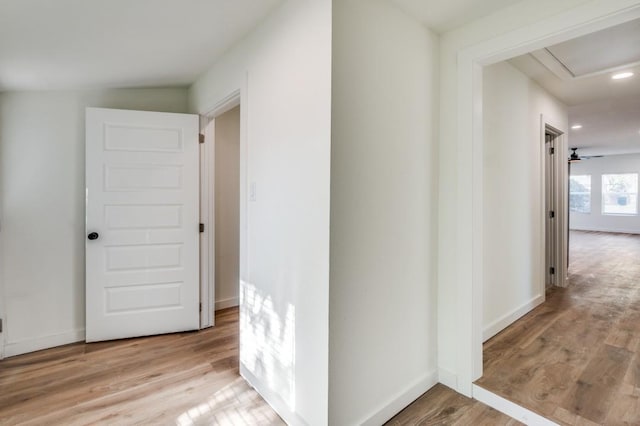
column 576, row 358
column 442, row 406
column 183, row 378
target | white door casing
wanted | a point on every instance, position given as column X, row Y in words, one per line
column 550, row 210
column 207, row 218
column 142, row 199
column 555, row 172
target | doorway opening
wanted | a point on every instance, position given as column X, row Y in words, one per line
column 220, row 209
column 550, row 359
column 227, row 209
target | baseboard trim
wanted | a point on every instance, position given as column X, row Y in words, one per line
column 448, row 378
column 509, row 408
column 400, row 401
column 610, row 230
column 506, row 320
column 24, row 346
column 227, row 303
column 274, row 400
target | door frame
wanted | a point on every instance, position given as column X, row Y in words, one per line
column 561, row 171
column 580, row 20
column 207, row 201
column 3, row 307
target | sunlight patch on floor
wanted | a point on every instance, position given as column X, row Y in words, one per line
column 225, row 407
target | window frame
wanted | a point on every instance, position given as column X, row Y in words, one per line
column 604, row 193
column 590, row 193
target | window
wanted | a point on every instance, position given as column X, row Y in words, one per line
column 620, row 194
column 580, row 194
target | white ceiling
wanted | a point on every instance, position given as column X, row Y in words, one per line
column 445, row 15
column 607, row 49
column 608, row 110
column 74, row 44
column 577, row 91
column 609, row 127
column 61, row 44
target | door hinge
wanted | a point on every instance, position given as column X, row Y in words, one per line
column 552, row 214
column 552, row 151
column 201, row 138
column 202, row 227
column 200, row 306
column 552, row 270
column 0, row 325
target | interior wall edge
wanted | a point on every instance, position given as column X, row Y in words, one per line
column 34, row 344
column 506, row 320
column 401, row 400
column 447, row 378
column 227, row 303
column 272, row 398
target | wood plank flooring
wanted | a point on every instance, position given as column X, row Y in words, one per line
column 576, row 358
column 442, row 406
column 183, row 378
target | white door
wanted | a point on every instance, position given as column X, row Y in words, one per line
column 142, row 260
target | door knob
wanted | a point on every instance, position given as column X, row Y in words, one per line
column 93, row 236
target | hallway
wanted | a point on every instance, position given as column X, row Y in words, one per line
column 576, row 358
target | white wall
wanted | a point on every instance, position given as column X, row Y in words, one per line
column 283, row 69
column 596, row 221
column 227, row 208
column 42, row 156
column 513, row 193
column 383, row 192
column 524, row 25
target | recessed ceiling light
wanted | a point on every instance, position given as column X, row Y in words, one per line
column 622, row 75
column 576, row 126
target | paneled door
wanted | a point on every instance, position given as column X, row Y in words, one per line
column 142, row 223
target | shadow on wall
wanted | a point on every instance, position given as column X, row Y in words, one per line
column 267, row 341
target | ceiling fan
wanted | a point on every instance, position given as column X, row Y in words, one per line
column 574, row 157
